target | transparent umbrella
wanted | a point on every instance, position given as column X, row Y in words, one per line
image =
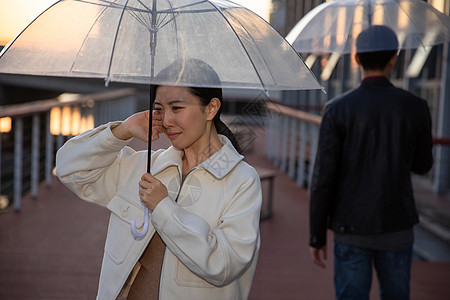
column 333, row 26
column 134, row 40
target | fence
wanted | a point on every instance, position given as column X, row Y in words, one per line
column 31, row 133
column 292, row 138
column 291, row 141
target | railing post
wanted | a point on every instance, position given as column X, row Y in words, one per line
column 118, row 109
column 293, row 138
column 313, row 143
column 18, row 147
column 284, row 143
column 48, row 154
column 0, row 163
column 35, row 144
column 276, row 140
column 441, row 168
column 59, row 142
column 269, row 135
column 301, row 154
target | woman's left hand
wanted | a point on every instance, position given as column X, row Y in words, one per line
column 152, row 191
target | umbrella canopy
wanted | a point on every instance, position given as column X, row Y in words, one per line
column 133, row 40
column 334, row 26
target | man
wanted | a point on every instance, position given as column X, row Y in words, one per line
column 371, row 139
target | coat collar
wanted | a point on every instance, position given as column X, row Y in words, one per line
column 375, row 82
column 219, row 164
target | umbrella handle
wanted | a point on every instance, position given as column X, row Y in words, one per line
column 140, row 235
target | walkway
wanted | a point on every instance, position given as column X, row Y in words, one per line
column 53, row 248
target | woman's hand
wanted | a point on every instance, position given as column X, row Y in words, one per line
column 137, row 126
column 152, row 191
column 157, row 125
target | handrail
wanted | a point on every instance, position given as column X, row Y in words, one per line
column 308, row 117
column 292, row 140
column 445, row 141
column 291, row 112
column 39, row 106
column 70, row 113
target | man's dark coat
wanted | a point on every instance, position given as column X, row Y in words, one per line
column 371, row 139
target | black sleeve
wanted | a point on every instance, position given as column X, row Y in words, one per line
column 423, row 157
column 324, row 182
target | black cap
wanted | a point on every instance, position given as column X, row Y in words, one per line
column 376, row 38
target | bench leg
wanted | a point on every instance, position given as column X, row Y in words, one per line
column 265, row 214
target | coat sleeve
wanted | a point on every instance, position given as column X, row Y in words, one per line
column 423, row 157
column 88, row 164
column 218, row 255
column 324, row 181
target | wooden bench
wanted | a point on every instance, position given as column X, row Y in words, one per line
column 269, row 176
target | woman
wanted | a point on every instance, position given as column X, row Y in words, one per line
column 203, row 239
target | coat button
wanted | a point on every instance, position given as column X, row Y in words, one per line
column 125, row 212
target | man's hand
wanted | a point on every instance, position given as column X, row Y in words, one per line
column 316, row 257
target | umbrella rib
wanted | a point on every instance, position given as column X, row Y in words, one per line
column 191, row 4
column 243, row 46
column 410, row 21
column 139, row 11
column 163, row 20
column 12, row 42
column 146, row 10
column 177, row 10
column 105, row 3
column 85, row 38
column 262, row 56
column 347, row 35
column 145, row 6
column 172, row 9
column 142, row 19
column 107, row 79
column 175, row 24
column 139, row 17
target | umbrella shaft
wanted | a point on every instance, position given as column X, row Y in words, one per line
column 150, row 128
column 153, row 33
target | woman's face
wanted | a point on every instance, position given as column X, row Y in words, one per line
column 184, row 118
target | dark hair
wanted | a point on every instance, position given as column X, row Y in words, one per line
column 205, row 95
column 183, row 71
column 375, row 60
column 376, row 37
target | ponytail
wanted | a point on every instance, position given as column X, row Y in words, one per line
column 223, row 129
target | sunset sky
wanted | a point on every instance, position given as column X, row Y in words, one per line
column 15, row 15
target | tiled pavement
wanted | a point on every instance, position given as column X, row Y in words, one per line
column 52, row 249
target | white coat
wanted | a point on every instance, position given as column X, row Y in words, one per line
column 209, row 223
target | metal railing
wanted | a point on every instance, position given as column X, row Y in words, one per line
column 31, row 133
column 292, row 138
column 291, row 141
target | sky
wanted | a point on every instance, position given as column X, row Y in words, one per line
column 15, row 15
